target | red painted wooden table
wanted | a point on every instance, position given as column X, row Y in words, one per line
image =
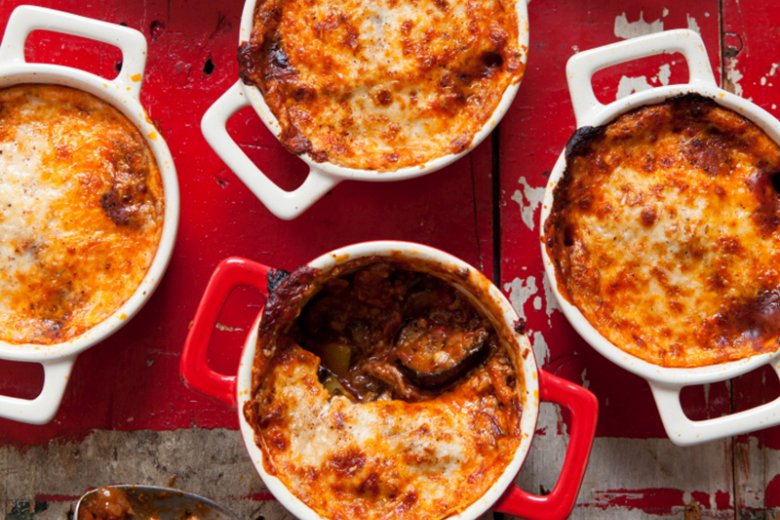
column 127, row 417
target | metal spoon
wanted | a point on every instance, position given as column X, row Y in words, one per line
column 152, row 502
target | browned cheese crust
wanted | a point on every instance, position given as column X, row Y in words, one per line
column 664, row 233
column 383, row 84
column 81, row 212
column 353, row 435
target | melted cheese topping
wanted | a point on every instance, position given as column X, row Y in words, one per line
column 81, row 211
column 382, row 84
column 665, row 233
column 386, row 458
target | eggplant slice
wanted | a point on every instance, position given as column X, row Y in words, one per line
column 387, row 330
column 435, row 355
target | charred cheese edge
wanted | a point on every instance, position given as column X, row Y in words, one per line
column 81, row 212
column 380, row 459
column 385, row 84
column 664, row 232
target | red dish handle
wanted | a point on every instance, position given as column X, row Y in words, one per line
column 194, row 369
column 559, row 503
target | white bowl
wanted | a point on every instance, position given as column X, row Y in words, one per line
column 323, row 176
column 122, row 93
column 665, row 383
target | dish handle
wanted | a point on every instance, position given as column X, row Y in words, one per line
column 559, row 503
column 683, row 431
column 42, row 408
column 26, row 19
column 581, row 67
column 231, row 273
column 284, row 204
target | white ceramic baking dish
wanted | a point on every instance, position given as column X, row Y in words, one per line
column 322, row 176
column 665, row 383
column 503, row 495
column 122, row 92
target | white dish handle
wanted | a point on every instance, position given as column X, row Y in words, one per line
column 41, row 409
column 284, row 204
column 581, row 67
column 26, row 19
column 686, row 432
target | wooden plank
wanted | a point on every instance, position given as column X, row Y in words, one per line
column 625, row 479
column 752, row 69
column 50, row 478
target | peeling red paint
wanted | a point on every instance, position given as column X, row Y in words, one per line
column 772, row 493
column 701, row 497
column 661, row 501
column 723, row 500
column 261, row 497
column 653, row 501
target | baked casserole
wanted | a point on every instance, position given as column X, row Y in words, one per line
column 383, row 392
column 81, row 212
column 664, row 233
column 384, row 84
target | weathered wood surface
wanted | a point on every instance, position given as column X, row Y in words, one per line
column 126, row 417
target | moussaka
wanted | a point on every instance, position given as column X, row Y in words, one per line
column 382, row 84
column 665, row 233
column 81, row 212
column 382, row 392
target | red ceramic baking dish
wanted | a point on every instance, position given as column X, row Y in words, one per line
column 537, row 385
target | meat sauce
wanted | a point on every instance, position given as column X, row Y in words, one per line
column 106, row 503
column 380, row 388
column 116, row 503
column 383, row 330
